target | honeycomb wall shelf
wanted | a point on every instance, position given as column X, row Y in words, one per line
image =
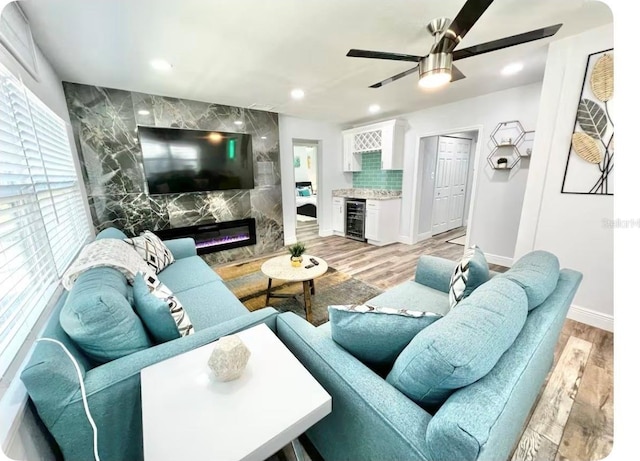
column 507, row 133
column 504, row 142
column 504, row 157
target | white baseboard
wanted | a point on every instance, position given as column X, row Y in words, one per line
column 290, row 241
column 325, row 232
column 591, row 317
column 499, row 260
column 405, row 239
column 424, row 236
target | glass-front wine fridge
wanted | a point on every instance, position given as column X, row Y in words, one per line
column 355, row 219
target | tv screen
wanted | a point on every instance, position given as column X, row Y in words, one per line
column 177, row 160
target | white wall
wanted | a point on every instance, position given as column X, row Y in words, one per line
column 571, row 226
column 330, row 174
column 495, row 213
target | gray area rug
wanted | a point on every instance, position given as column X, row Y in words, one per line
column 247, row 282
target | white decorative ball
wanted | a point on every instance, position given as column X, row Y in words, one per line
column 228, row 358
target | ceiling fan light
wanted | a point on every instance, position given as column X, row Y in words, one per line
column 435, row 79
column 435, row 70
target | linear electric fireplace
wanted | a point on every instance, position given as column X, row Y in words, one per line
column 216, row 236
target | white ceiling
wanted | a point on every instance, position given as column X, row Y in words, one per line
column 248, row 52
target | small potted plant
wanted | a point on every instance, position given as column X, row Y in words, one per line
column 297, row 250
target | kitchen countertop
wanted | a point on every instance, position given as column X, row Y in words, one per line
column 374, row 194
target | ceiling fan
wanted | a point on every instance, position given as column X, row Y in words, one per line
column 436, row 68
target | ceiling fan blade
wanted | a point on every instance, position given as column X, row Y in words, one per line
column 383, row 55
column 395, row 77
column 464, row 21
column 506, row 42
column 456, row 74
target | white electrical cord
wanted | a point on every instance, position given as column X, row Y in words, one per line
column 82, row 391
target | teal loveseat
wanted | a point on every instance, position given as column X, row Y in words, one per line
column 372, row 420
column 113, row 388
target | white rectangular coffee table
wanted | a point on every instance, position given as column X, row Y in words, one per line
column 187, row 415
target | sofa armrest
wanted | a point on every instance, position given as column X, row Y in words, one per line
column 114, row 395
column 435, row 272
column 370, row 419
column 109, row 373
column 181, row 248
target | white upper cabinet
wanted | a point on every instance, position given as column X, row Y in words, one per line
column 351, row 160
column 385, row 137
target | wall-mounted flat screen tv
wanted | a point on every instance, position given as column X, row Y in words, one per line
column 177, row 160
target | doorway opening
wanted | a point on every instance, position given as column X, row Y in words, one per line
column 305, row 167
column 445, row 176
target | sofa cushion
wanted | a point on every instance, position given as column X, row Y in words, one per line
column 152, row 249
column 413, row 296
column 537, row 273
column 187, row 273
column 463, row 346
column 211, row 304
column 376, row 335
column 99, row 319
column 471, row 272
column 160, row 310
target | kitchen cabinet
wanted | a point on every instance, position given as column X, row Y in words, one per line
column 337, row 215
column 382, row 222
column 351, row 161
column 384, row 137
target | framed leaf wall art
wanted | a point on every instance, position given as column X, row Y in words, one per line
column 589, row 168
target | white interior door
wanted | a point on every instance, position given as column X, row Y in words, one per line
column 459, row 175
column 442, row 185
column 452, row 166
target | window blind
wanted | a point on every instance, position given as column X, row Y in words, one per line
column 42, row 219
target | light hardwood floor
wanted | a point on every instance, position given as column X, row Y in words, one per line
column 573, row 417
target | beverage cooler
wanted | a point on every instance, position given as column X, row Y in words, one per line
column 355, row 219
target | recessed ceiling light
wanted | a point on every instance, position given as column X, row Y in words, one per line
column 511, row 69
column 374, row 108
column 263, row 137
column 143, row 112
column 297, row 93
column 238, row 122
column 160, row 64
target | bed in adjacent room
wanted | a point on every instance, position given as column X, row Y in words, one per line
column 306, row 200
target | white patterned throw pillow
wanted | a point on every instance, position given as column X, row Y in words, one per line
column 162, row 292
column 471, row 272
column 152, row 249
column 366, row 308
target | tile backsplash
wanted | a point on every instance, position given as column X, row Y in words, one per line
column 373, row 177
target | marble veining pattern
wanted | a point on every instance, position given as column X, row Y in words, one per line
column 377, row 194
column 105, row 124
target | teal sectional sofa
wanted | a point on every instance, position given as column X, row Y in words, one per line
column 113, row 388
column 372, row 420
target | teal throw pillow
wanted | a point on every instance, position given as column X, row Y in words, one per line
column 537, row 273
column 305, row 192
column 160, row 310
column 463, row 346
column 471, row 272
column 376, row 335
column 98, row 317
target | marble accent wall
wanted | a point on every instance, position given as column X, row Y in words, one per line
column 104, row 123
